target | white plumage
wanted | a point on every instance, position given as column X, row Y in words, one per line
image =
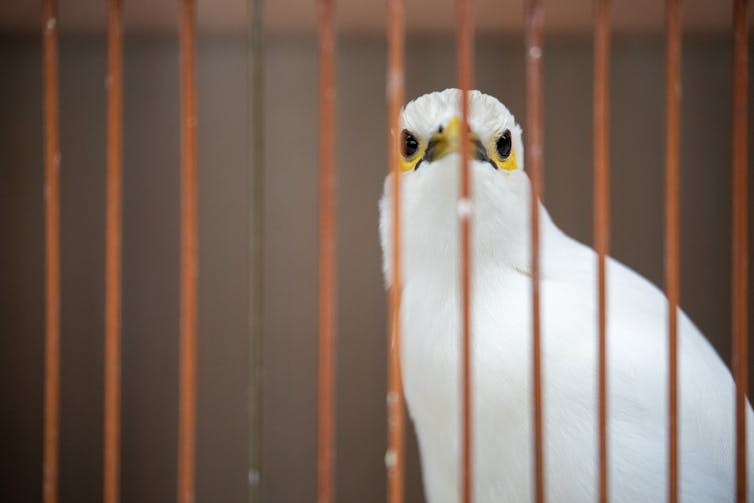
column 501, row 338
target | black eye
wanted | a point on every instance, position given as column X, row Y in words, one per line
column 504, row 145
column 409, row 144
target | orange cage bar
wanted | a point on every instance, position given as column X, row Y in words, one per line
column 52, row 252
column 740, row 238
column 396, row 419
column 672, row 146
column 113, row 235
column 326, row 384
column 465, row 55
column 534, row 153
column 602, row 221
column 189, row 258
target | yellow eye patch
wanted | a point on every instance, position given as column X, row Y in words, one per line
column 409, row 162
column 500, row 151
column 508, row 164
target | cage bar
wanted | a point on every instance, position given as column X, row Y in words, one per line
column 672, row 145
column 52, row 253
column 740, row 239
column 534, row 158
column 256, row 249
column 396, row 419
column 189, row 257
column 326, row 381
column 113, row 236
column 602, row 220
column 465, row 55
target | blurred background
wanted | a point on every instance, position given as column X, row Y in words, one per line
column 151, row 219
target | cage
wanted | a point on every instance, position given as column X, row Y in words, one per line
column 257, row 125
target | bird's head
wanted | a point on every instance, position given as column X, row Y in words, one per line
column 432, row 130
column 430, row 140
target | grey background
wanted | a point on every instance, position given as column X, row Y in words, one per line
column 150, row 242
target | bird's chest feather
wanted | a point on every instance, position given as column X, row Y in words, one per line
column 431, row 360
column 501, row 372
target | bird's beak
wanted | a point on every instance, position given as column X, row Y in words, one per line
column 448, row 139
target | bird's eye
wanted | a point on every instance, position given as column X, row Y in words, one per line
column 409, row 144
column 504, row 145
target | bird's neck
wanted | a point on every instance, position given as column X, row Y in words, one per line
column 497, row 249
column 500, row 224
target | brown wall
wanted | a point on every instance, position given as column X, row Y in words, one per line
column 150, row 249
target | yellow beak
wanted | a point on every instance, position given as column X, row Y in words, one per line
column 447, row 140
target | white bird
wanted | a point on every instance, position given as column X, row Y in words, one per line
column 501, row 336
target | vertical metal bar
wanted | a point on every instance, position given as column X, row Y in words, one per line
column 189, row 257
column 326, row 382
column 113, row 235
column 465, row 55
column 52, row 252
column 602, row 219
column 740, row 244
column 534, row 22
column 256, row 250
column 672, row 144
column 395, row 458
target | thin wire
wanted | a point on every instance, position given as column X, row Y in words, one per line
column 189, row 258
column 395, row 458
column 465, row 54
column 534, row 22
column 602, row 218
column 52, row 253
column 672, row 141
column 740, row 244
column 256, row 250
column 113, row 238
column 326, row 382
